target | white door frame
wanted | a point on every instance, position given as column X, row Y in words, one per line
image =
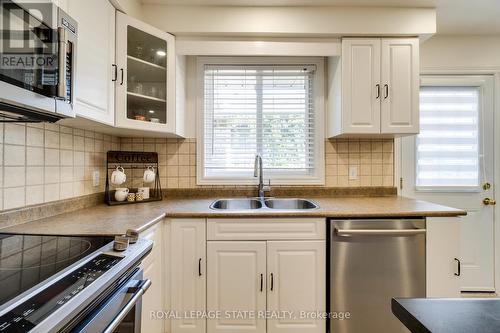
column 496, row 158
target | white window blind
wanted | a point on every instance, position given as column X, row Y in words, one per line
column 258, row 109
column 448, row 143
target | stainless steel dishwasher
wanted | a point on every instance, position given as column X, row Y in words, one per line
column 371, row 261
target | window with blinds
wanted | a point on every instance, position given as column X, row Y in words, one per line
column 259, row 109
column 448, row 143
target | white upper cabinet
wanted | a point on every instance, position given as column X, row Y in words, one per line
column 400, row 77
column 374, row 89
column 145, row 86
column 360, row 84
column 94, row 87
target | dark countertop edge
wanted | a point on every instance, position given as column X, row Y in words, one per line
column 404, row 316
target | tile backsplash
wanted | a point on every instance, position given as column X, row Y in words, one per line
column 48, row 162
column 374, row 160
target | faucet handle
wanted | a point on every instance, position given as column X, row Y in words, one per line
column 267, row 187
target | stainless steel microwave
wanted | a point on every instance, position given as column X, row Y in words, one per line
column 38, row 44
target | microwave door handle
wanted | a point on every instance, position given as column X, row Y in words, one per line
column 375, row 232
column 138, row 292
column 63, row 50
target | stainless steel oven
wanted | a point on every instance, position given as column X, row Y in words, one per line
column 62, row 284
column 38, row 44
column 118, row 312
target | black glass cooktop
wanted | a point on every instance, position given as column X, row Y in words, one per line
column 26, row 260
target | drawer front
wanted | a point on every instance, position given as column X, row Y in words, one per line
column 266, row 229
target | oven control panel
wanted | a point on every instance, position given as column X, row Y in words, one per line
column 28, row 314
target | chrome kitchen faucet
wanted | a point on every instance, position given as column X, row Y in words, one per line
column 258, row 171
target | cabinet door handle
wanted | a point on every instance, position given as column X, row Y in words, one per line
column 459, row 264
column 199, row 267
column 261, row 282
column 115, row 76
column 272, row 281
column 121, row 81
column 386, row 88
column 378, row 91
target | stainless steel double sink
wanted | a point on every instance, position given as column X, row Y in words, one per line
column 266, row 203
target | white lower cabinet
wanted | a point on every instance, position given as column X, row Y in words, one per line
column 152, row 265
column 236, row 282
column 297, row 273
column 252, row 271
column 188, row 271
column 443, row 255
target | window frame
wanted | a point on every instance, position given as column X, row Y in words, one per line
column 455, row 81
column 318, row 177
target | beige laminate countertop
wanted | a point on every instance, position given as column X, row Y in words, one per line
column 114, row 220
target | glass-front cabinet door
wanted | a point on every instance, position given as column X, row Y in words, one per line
column 145, row 77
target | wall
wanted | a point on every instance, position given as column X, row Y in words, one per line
column 177, row 159
column 374, row 158
column 462, row 52
column 48, row 162
column 133, row 8
column 291, row 20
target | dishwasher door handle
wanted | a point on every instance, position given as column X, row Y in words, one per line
column 379, row 232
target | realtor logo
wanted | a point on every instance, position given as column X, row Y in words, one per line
column 27, row 42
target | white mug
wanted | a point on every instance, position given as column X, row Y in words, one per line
column 121, row 194
column 144, row 191
column 149, row 175
column 118, row 176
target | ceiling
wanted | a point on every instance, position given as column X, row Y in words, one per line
column 399, row 3
column 469, row 17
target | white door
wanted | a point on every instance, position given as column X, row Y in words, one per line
column 95, row 90
column 236, row 282
column 451, row 160
column 296, row 285
column 361, row 89
column 400, row 76
column 188, row 274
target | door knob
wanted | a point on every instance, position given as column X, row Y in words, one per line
column 488, row 201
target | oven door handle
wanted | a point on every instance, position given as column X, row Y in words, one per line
column 138, row 291
column 382, row 232
column 63, row 49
